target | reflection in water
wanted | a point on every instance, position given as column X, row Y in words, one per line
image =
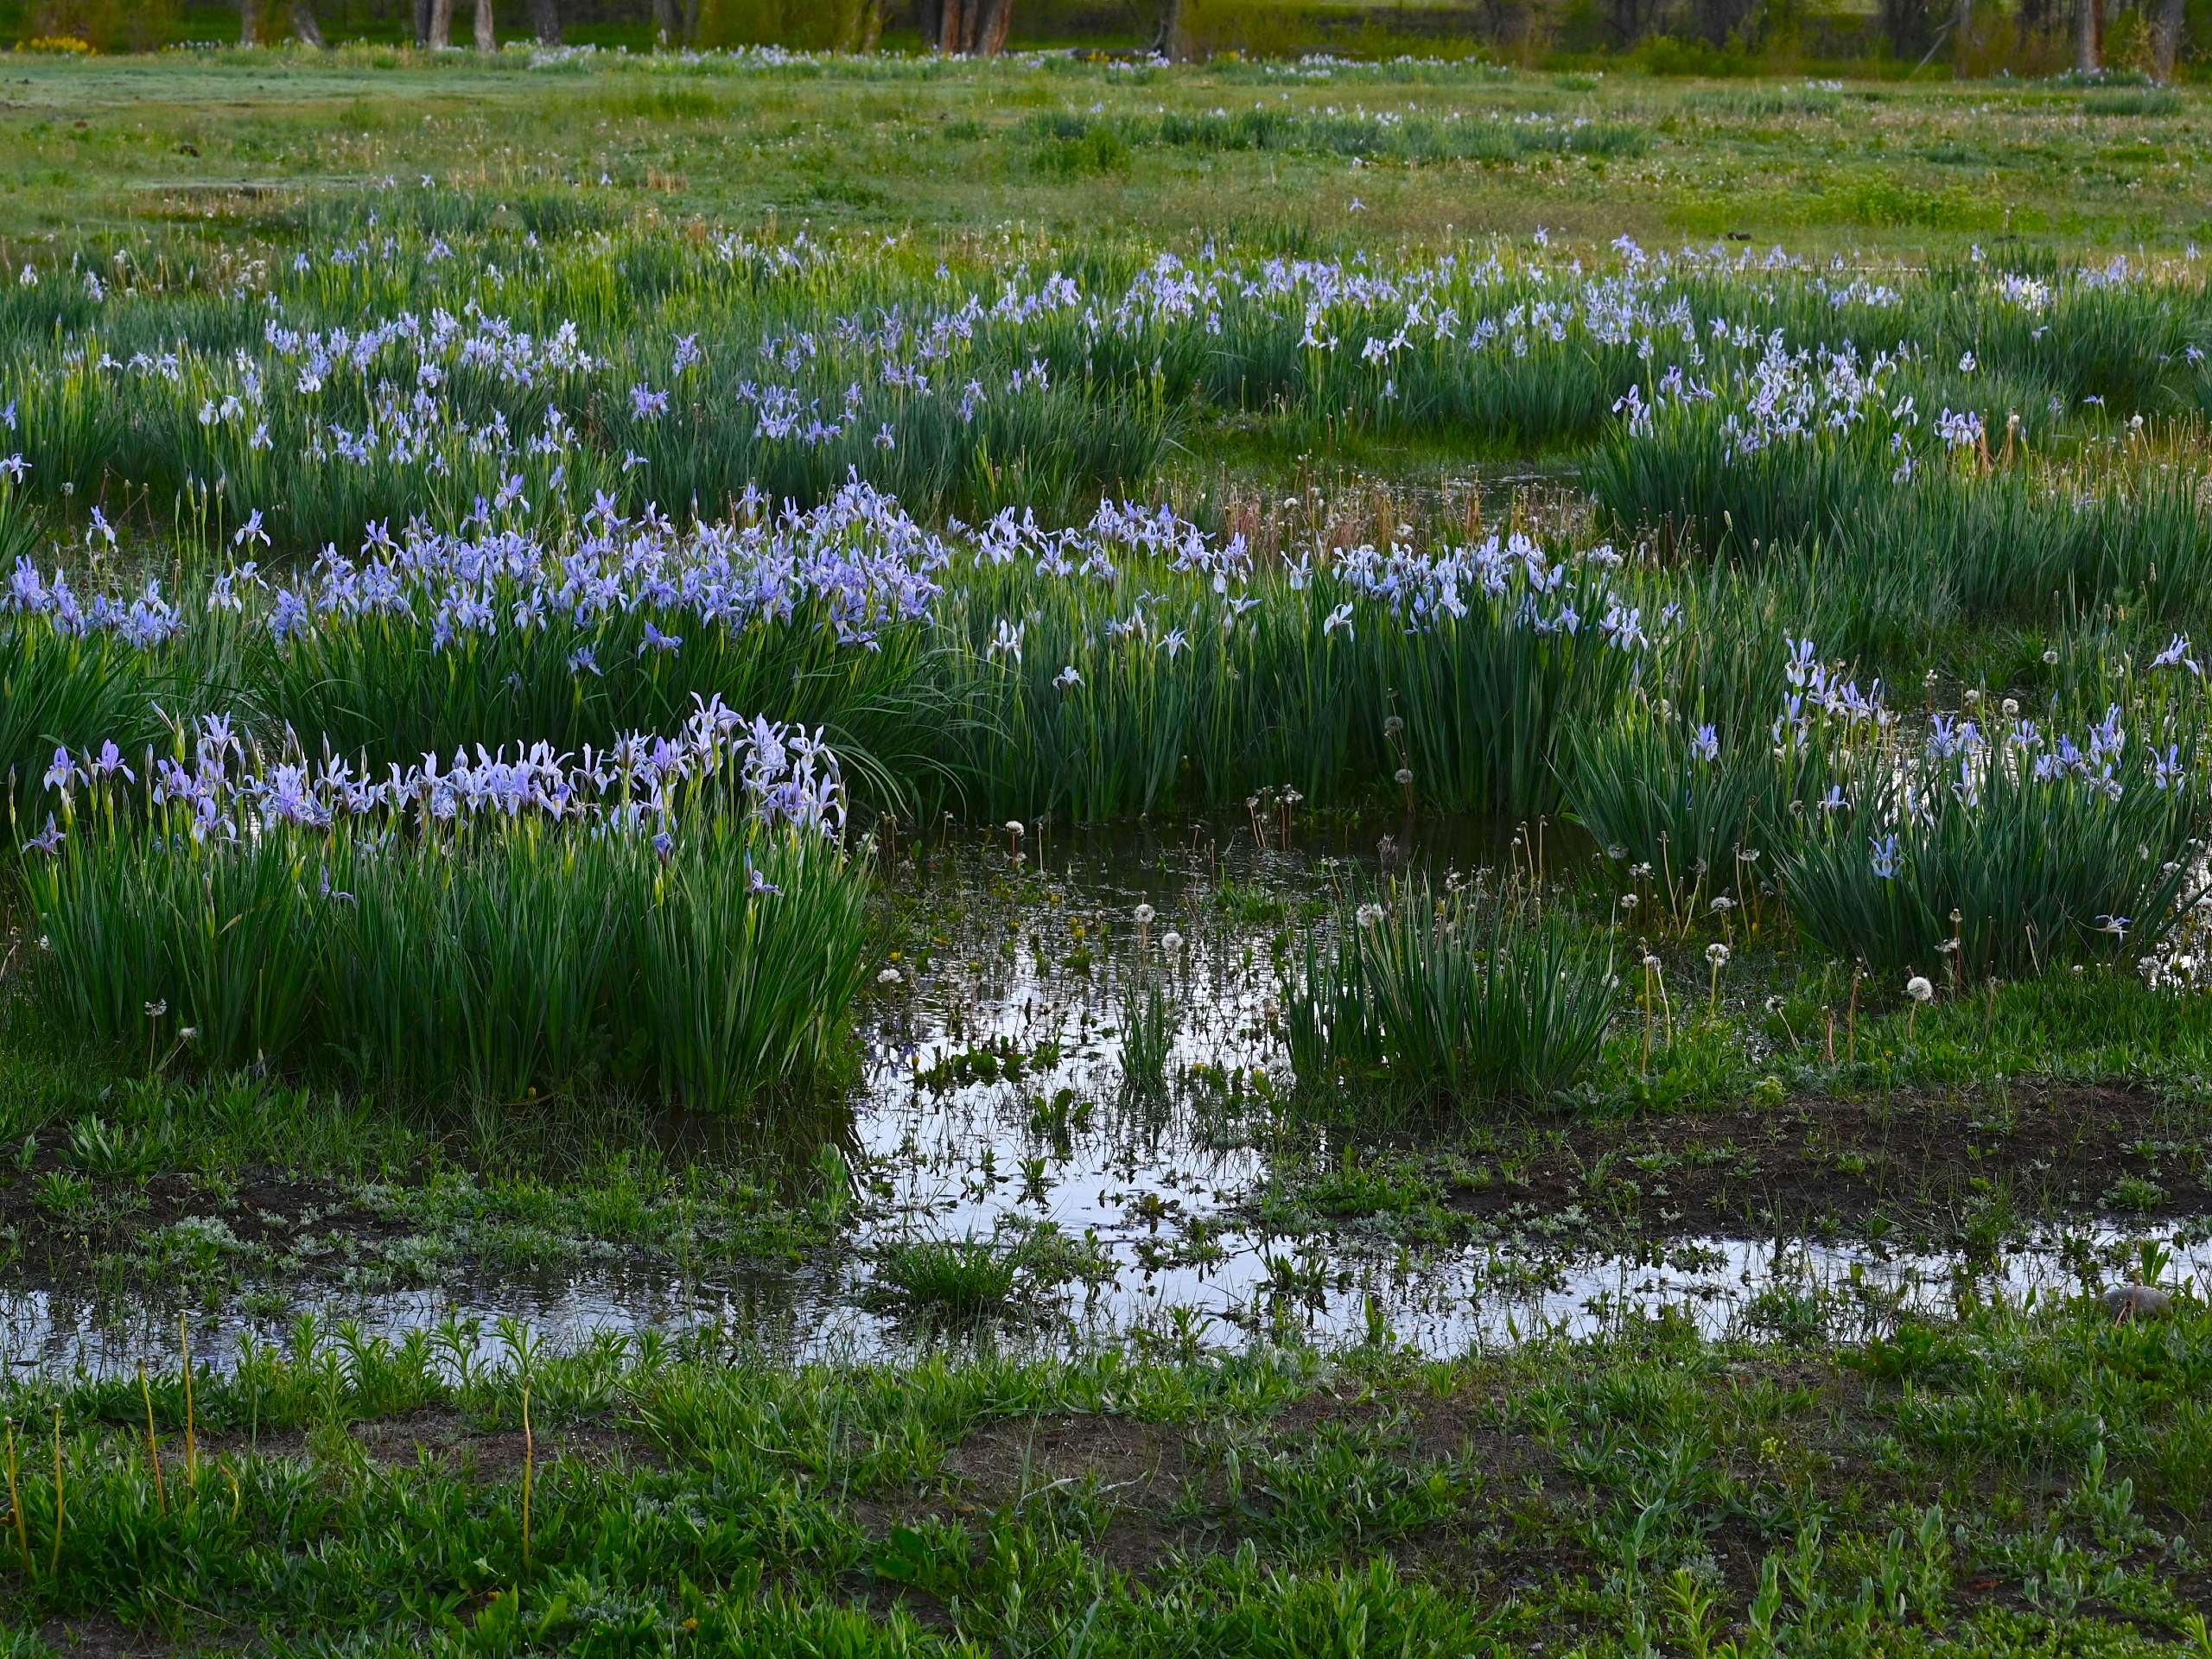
column 992, row 1102
column 1476, row 1301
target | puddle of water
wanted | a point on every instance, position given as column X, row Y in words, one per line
column 1476, row 1301
column 993, row 1101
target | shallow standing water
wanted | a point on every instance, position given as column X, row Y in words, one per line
column 994, row 1105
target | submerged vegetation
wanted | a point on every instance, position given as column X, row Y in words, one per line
column 1307, row 938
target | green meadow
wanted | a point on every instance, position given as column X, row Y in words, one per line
column 878, row 855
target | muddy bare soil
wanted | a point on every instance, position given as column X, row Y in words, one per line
column 259, row 1206
column 1813, row 1162
column 1808, row 1162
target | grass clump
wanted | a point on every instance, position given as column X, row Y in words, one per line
column 2001, row 854
column 673, row 914
column 1684, row 806
column 956, row 1281
column 1460, row 995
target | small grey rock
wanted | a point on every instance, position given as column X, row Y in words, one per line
column 2137, row 1301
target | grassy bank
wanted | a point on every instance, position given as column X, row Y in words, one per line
column 243, row 140
column 2009, row 1484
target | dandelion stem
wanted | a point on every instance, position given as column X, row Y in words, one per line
column 153, row 1446
column 55, row 1569
column 16, row 1502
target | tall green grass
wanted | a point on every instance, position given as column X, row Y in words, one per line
column 1474, row 999
column 505, row 956
column 1977, row 867
column 1675, row 799
column 62, row 690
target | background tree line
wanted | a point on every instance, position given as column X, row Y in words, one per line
column 1973, row 37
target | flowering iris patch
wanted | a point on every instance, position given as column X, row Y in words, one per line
column 1135, row 662
column 674, row 913
column 2000, row 850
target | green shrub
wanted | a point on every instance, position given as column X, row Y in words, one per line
column 104, row 25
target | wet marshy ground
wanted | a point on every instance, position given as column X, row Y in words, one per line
column 1008, row 1167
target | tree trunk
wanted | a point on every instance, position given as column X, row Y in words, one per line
column 487, row 35
column 970, row 28
column 993, row 18
column 421, row 22
column 545, row 19
column 2089, row 35
column 1167, row 33
column 668, row 22
column 2167, row 42
column 249, row 23
column 305, row 25
column 441, row 31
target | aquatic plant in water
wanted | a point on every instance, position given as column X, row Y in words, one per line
column 1474, row 997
